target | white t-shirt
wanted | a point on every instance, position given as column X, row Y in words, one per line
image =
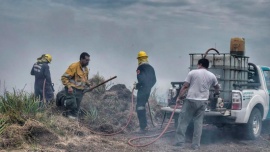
column 200, row 81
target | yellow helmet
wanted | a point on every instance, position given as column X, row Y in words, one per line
column 142, row 54
column 48, row 57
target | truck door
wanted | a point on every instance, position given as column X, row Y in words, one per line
column 266, row 73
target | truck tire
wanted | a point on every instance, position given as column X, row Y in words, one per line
column 254, row 126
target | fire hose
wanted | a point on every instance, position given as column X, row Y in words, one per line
column 130, row 113
column 43, row 93
column 205, row 54
column 129, row 119
column 157, row 135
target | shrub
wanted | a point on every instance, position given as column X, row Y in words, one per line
column 18, row 106
column 95, row 80
column 3, row 125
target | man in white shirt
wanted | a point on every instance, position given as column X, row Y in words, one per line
column 198, row 84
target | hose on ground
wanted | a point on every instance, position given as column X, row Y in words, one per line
column 158, row 136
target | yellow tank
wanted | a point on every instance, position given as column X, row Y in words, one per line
column 237, row 46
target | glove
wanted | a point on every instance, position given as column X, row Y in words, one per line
column 53, row 87
column 179, row 101
column 135, row 85
column 216, row 94
column 88, row 83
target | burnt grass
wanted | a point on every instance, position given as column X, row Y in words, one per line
column 106, row 111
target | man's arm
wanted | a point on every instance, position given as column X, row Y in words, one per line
column 32, row 71
column 47, row 74
column 216, row 86
column 70, row 72
column 140, row 77
column 182, row 91
column 217, row 89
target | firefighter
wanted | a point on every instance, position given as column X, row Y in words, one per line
column 75, row 80
column 146, row 79
column 41, row 71
column 197, row 85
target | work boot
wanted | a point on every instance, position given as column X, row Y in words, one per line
column 179, row 145
column 72, row 117
column 142, row 131
column 195, row 147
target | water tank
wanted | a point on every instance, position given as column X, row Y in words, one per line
column 229, row 69
column 237, row 46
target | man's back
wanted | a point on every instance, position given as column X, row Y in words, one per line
column 38, row 71
column 146, row 75
column 200, row 80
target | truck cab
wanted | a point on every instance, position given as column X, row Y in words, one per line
column 244, row 98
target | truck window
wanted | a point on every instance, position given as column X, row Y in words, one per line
column 267, row 78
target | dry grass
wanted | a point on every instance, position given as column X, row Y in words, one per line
column 25, row 126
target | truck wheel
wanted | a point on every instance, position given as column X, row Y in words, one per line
column 254, row 126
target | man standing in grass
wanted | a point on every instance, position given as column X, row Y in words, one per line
column 43, row 83
column 146, row 80
column 75, row 79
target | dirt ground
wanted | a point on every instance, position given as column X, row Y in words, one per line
column 61, row 134
column 79, row 139
column 213, row 140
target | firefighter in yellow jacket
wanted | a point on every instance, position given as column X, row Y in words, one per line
column 75, row 79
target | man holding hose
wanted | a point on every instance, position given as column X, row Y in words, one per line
column 197, row 83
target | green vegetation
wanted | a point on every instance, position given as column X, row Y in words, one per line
column 92, row 114
column 3, row 125
column 18, row 106
column 95, row 80
column 23, row 121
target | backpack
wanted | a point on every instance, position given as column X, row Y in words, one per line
column 60, row 98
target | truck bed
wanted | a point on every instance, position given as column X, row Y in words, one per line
column 207, row 113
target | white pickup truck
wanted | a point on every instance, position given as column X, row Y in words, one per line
column 244, row 98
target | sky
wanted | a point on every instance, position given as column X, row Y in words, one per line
column 114, row 31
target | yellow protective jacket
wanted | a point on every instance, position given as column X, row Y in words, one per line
column 75, row 76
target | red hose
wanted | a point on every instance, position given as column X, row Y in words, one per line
column 136, row 138
column 129, row 119
column 163, row 132
column 43, row 92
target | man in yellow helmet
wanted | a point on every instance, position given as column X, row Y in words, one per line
column 146, row 80
column 43, row 83
column 75, row 79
